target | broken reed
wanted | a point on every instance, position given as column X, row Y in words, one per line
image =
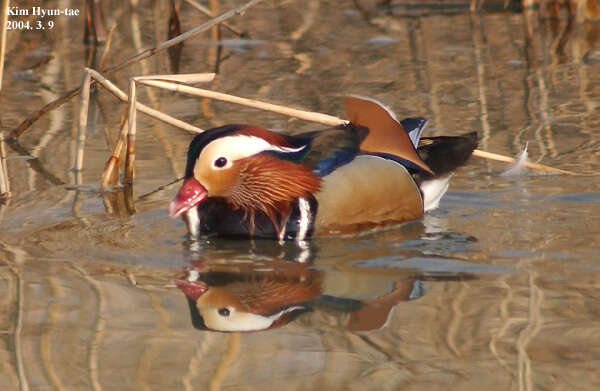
column 179, row 83
column 90, row 76
column 36, row 115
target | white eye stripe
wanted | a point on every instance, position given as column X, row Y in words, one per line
column 240, row 321
column 239, row 147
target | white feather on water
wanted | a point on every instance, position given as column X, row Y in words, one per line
column 518, row 166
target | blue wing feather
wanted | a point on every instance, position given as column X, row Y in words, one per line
column 330, row 148
column 338, row 158
column 414, row 127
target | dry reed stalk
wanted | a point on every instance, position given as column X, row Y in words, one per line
column 180, row 38
column 208, row 13
column 188, row 78
column 533, row 166
column 132, row 114
column 89, row 75
column 106, row 50
column 110, row 175
column 23, row 126
column 300, row 114
column 478, row 63
column 3, row 21
column 33, row 117
column 132, row 128
column 160, row 188
column 113, row 89
column 82, row 125
column 317, row 117
column 4, row 183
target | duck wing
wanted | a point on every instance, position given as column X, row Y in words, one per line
column 387, row 137
column 331, row 148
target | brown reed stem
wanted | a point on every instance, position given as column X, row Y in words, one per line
column 109, row 175
column 3, row 21
column 208, row 13
column 4, row 182
column 317, row 117
column 113, row 89
column 82, row 125
column 160, row 188
column 106, row 50
column 533, row 166
column 132, row 128
column 300, row 114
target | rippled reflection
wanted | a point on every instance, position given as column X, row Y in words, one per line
column 509, row 265
column 251, row 295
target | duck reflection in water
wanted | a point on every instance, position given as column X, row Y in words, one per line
column 258, row 296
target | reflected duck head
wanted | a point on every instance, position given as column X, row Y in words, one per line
column 232, row 303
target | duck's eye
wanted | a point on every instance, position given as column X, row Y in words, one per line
column 220, row 162
column 223, row 311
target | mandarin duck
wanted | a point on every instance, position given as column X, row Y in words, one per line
column 262, row 296
column 246, row 181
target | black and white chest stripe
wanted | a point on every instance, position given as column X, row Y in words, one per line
column 300, row 225
column 216, row 217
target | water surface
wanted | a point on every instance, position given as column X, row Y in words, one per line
column 497, row 289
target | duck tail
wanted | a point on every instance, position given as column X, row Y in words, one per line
column 443, row 154
column 446, row 153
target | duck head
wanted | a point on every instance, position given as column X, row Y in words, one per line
column 251, row 168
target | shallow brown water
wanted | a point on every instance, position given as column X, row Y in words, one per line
column 497, row 289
